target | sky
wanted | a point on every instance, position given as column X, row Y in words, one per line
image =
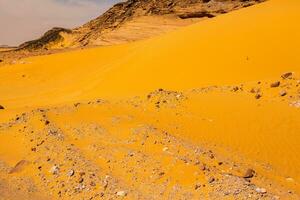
column 23, row 20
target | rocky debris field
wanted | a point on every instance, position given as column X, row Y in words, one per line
column 109, row 150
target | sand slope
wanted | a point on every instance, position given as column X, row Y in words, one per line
column 219, row 65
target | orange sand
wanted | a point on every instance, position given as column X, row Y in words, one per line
column 253, row 44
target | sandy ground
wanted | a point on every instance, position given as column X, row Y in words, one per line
column 184, row 115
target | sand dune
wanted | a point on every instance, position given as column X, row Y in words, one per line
column 216, row 95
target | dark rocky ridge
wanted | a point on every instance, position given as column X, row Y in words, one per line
column 123, row 12
column 52, row 35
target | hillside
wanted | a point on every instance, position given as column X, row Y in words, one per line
column 134, row 20
column 208, row 111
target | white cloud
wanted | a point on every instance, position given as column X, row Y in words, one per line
column 23, row 20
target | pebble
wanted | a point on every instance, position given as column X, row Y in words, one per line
column 80, row 180
column 1, row 107
column 197, row 186
column 261, row 190
column 165, row 149
column 289, row 179
column 283, row 93
column 249, row 173
column 234, row 89
column 71, row 173
column 121, row 193
column 211, row 180
column 258, row 96
column 275, row 84
column 287, row 75
column 203, row 167
column 54, row 170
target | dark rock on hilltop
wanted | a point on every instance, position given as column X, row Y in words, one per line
column 50, row 36
column 128, row 10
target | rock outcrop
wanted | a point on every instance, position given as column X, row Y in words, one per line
column 108, row 28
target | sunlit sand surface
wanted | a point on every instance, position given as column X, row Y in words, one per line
column 215, row 78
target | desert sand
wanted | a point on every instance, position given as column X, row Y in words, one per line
column 183, row 115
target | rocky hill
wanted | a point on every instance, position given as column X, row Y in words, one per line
column 136, row 19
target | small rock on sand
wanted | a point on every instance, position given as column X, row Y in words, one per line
column 54, row 170
column 165, row 149
column 1, row 107
column 287, row 75
column 71, row 173
column 249, row 173
column 275, row 84
column 258, row 96
column 283, row 93
column 289, row 179
column 121, row 193
column 261, row 190
column 197, row 186
column 211, row 180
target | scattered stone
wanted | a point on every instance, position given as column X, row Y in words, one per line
column 197, row 186
column 287, row 75
column 80, row 180
column 275, row 84
column 165, row 149
column 234, row 89
column 1, row 60
column 261, row 190
column 76, row 104
column 258, row 96
column 289, row 179
column 295, row 104
column 93, row 184
column 47, row 122
column 1, row 107
column 249, row 173
column 237, row 192
column 283, row 93
column 121, row 193
column 203, row 167
column 197, row 162
column 54, row 170
column 71, row 173
column 131, row 154
column 178, row 96
column 82, row 173
column 211, row 180
column 161, row 173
